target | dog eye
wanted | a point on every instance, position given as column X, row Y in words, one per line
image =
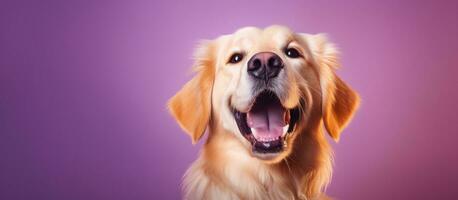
column 235, row 58
column 292, row 53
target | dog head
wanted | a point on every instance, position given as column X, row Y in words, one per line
column 264, row 86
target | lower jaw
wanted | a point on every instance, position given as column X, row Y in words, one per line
column 271, row 157
column 269, row 154
column 266, row 156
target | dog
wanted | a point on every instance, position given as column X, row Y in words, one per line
column 264, row 96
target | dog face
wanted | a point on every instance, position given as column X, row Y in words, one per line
column 264, row 86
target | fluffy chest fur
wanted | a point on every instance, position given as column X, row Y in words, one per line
column 224, row 170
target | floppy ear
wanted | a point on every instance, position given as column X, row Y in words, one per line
column 191, row 106
column 339, row 107
column 339, row 100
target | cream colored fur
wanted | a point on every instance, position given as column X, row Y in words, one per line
column 226, row 167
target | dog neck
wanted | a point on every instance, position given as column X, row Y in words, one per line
column 303, row 174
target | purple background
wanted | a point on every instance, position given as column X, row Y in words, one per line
column 83, row 88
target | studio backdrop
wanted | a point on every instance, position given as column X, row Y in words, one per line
column 84, row 86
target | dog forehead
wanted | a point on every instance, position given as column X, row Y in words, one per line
column 246, row 37
column 272, row 35
column 277, row 34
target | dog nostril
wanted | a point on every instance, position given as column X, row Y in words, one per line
column 256, row 64
column 275, row 62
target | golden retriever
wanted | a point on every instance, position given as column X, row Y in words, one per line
column 263, row 95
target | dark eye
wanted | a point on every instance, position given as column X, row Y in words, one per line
column 235, row 58
column 292, row 53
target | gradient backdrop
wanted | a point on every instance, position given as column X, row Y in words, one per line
column 83, row 88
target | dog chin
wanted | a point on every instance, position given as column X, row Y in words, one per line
column 270, row 158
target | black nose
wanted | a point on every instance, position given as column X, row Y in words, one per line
column 265, row 65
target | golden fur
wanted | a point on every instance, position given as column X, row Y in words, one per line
column 226, row 169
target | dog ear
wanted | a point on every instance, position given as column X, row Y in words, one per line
column 191, row 106
column 339, row 107
column 339, row 100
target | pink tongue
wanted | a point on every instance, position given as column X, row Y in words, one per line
column 267, row 120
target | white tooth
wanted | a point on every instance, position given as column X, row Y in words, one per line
column 285, row 129
column 253, row 131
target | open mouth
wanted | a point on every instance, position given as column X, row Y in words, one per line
column 267, row 124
